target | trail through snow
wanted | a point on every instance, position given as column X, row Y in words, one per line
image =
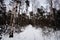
column 31, row 33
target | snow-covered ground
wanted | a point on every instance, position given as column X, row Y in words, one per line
column 31, row 33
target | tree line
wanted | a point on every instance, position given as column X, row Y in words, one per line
column 39, row 19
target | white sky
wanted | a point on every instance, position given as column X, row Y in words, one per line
column 37, row 2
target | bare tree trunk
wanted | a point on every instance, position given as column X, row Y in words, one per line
column 51, row 10
column 18, row 14
column 51, row 4
column 13, row 16
column 26, row 9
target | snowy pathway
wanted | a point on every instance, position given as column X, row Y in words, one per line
column 31, row 33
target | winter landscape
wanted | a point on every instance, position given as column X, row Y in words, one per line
column 29, row 19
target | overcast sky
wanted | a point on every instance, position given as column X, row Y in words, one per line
column 38, row 3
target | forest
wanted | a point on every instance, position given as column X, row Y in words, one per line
column 16, row 18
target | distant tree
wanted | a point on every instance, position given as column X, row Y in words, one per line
column 57, row 2
column 40, row 11
column 31, row 13
column 27, row 5
column 51, row 10
column 3, row 12
column 1, row 1
column 9, row 17
column 50, row 2
column 57, row 18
